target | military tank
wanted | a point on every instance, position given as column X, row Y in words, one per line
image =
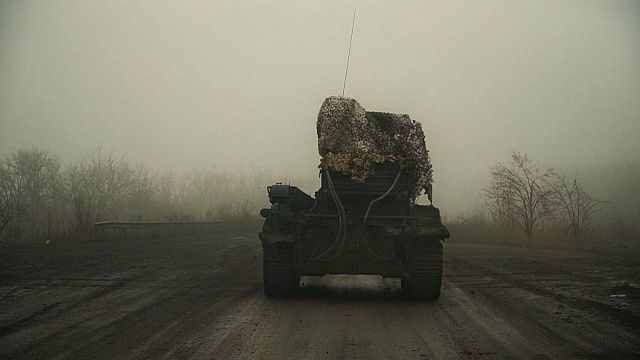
column 364, row 219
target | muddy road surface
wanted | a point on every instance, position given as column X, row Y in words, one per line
column 201, row 297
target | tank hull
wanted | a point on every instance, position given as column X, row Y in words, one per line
column 368, row 228
column 383, row 247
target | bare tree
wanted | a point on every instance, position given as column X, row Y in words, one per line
column 12, row 204
column 520, row 193
column 37, row 189
column 38, row 173
column 99, row 185
column 169, row 205
column 577, row 205
column 503, row 212
column 142, row 202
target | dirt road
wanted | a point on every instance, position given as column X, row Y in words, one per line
column 201, row 297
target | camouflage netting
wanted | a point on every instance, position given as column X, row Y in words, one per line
column 351, row 141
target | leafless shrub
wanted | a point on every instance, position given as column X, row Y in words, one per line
column 578, row 207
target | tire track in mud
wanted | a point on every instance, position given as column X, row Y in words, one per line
column 622, row 316
column 17, row 325
column 60, row 308
column 68, row 320
column 539, row 314
column 84, row 312
column 176, row 314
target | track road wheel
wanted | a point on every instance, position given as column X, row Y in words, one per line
column 278, row 270
column 425, row 277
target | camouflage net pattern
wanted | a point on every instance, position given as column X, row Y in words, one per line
column 351, row 141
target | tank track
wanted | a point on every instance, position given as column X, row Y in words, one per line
column 425, row 279
column 278, row 269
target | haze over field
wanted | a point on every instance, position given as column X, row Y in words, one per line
column 180, row 85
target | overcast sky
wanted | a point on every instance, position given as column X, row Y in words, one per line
column 237, row 85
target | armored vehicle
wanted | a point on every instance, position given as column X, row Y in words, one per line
column 364, row 226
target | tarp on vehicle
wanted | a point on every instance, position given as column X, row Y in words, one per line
column 351, row 141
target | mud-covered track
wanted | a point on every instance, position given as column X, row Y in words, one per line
column 201, row 297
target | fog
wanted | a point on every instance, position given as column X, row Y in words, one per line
column 182, row 85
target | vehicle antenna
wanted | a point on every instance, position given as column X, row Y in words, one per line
column 346, row 71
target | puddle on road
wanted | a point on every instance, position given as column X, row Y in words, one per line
column 350, row 286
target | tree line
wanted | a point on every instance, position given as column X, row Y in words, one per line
column 45, row 199
column 42, row 198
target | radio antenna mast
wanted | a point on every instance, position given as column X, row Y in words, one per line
column 346, row 71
